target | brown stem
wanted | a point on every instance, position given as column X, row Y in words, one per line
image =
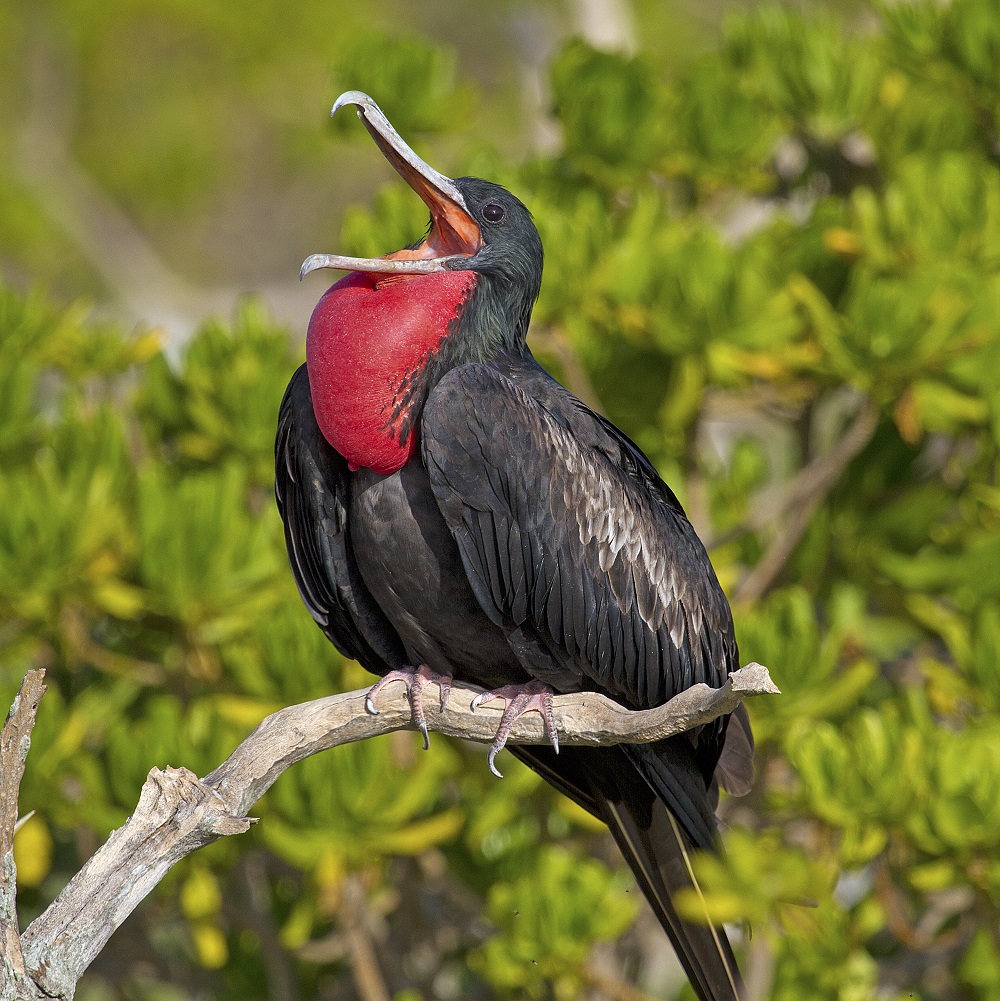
column 617, row 990
column 360, row 949
column 114, row 664
column 760, row 970
column 803, row 496
column 256, row 916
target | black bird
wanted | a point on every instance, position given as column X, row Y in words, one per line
column 450, row 510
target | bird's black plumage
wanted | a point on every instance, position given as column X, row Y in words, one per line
column 312, row 487
column 527, row 539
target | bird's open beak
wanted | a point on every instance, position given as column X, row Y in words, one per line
column 454, row 235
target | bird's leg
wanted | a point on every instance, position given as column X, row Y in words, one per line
column 521, row 699
column 416, row 680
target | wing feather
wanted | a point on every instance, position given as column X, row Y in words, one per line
column 566, row 525
column 311, row 485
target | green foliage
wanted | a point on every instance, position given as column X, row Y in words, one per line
column 417, row 77
column 612, row 109
column 199, row 416
column 796, row 227
column 548, row 922
column 369, row 806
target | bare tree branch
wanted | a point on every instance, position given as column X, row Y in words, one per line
column 587, row 719
column 800, row 500
column 176, row 815
column 14, row 744
column 819, row 476
column 179, row 813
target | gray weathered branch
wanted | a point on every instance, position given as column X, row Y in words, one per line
column 179, row 813
column 14, row 744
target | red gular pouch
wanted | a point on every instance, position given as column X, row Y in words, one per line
column 368, row 337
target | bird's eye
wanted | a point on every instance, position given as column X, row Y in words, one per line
column 493, row 212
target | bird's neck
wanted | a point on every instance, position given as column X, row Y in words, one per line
column 495, row 319
column 370, row 351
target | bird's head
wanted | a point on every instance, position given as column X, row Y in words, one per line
column 381, row 338
column 475, row 226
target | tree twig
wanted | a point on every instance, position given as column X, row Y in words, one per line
column 179, row 813
column 365, row 968
column 800, row 500
column 613, row 987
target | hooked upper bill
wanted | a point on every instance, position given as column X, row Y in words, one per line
column 454, row 235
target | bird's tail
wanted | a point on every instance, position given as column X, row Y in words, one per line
column 658, row 853
column 609, row 785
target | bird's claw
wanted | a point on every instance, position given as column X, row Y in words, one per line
column 416, row 680
column 521, row 699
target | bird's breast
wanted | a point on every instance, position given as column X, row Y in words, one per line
column 412, row 567
column 369, row 343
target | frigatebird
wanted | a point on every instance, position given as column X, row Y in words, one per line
column 451, row 511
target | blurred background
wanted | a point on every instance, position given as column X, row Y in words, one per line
column 772, row 242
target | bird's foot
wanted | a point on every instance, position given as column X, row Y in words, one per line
column 521, row 699
column 416, row 680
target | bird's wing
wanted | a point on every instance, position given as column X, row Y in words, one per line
column 564, row 528
column 312, row 484
column 570, row 540
column 571, row 543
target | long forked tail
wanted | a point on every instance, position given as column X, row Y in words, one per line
column 609, row 785
column 658, row 853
